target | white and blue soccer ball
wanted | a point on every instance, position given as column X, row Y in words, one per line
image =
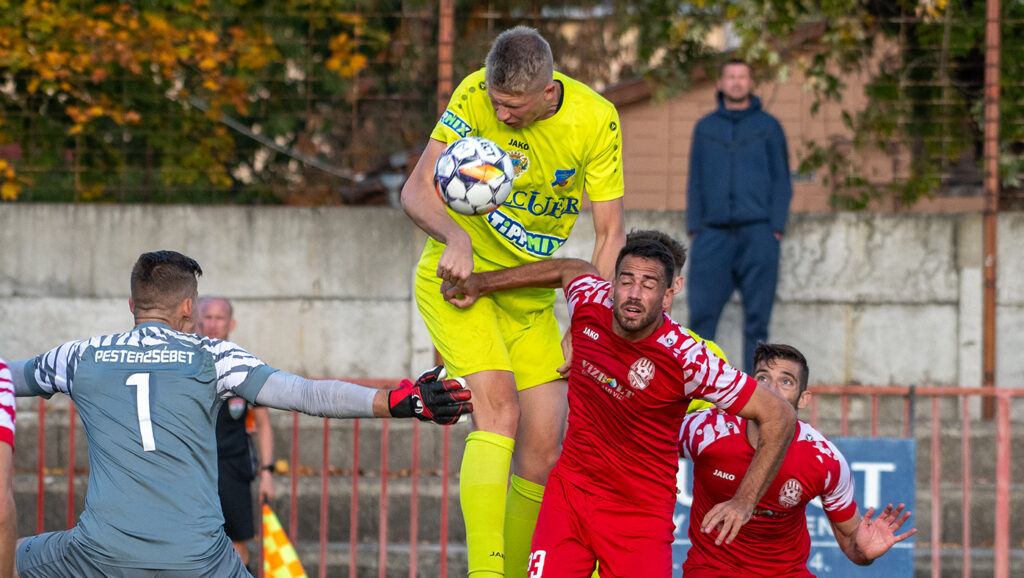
column 473, row 176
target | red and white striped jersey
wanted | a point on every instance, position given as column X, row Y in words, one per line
column 7, row 405
column 627, row 401
column 775, row 541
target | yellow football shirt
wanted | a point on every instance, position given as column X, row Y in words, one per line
column 579, row 148
column 699, row 404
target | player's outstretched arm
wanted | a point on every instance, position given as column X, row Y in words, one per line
column 863, row 540
column 437, row 399
column 776, row 421
column 424, row 207
column 551, row 273
column 21, row 387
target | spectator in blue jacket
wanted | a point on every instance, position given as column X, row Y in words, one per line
column 737, row 205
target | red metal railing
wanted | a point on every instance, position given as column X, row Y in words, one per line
column 1003, row 399
column 906, row 398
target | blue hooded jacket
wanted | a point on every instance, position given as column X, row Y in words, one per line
column 739, row 170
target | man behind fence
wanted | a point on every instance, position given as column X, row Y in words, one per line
column 148, row 399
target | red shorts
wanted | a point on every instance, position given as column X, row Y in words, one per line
column 575, row 529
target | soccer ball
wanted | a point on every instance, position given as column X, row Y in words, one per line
column 473, row 176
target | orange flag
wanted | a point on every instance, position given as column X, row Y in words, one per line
column 279, row 557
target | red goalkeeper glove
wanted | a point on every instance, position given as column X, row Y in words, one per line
column 431, row 398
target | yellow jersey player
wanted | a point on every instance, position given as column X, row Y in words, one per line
column 564, row 139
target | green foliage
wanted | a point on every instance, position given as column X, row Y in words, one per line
column 125, row 101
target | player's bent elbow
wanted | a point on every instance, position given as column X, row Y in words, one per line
column 407, row 198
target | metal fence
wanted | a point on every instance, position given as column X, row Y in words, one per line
column 961, row 533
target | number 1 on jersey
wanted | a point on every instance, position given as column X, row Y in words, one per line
column 141, row 383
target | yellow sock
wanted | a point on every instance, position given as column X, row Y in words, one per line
column 521, row 510
column 483, row 483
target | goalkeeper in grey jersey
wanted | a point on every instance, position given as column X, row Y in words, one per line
column 148, row 399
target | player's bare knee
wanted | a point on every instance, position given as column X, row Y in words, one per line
column 497, row 416
column 535, row 462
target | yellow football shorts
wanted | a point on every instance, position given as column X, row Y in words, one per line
column 512, row 330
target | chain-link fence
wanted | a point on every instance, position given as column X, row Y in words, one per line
column 317, row 102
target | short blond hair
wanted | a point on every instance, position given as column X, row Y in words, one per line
column 519, row 61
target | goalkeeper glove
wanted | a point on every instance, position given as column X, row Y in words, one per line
column 431, row 398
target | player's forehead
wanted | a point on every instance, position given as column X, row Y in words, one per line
column 780, row 367
column 513, row 100
column 637, row 267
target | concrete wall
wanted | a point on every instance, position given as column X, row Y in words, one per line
column 871, row 299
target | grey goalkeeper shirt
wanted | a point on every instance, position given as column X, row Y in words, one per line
column 148, row 400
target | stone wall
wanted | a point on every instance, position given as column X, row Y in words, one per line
column 871, row 299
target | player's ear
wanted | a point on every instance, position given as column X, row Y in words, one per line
column 677, row 284
column 231, row 326
column 186, row 308
column 131, row 305
column 803, row 400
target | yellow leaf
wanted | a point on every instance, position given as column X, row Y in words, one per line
column 9, row 191
column 358, row 62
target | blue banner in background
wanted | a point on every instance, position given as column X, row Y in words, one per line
column 883, row 473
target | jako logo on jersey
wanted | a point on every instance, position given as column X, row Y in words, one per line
column 789, row 495
column 520, row 162
column 532, row 243
column 725, row 475
column 591, row 333
column 563, row 179
column 518, row 144
column 641, row 373
column 458, row 126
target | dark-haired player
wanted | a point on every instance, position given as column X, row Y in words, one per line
column 775, row 541
column 148, row 399
column 611, row 495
